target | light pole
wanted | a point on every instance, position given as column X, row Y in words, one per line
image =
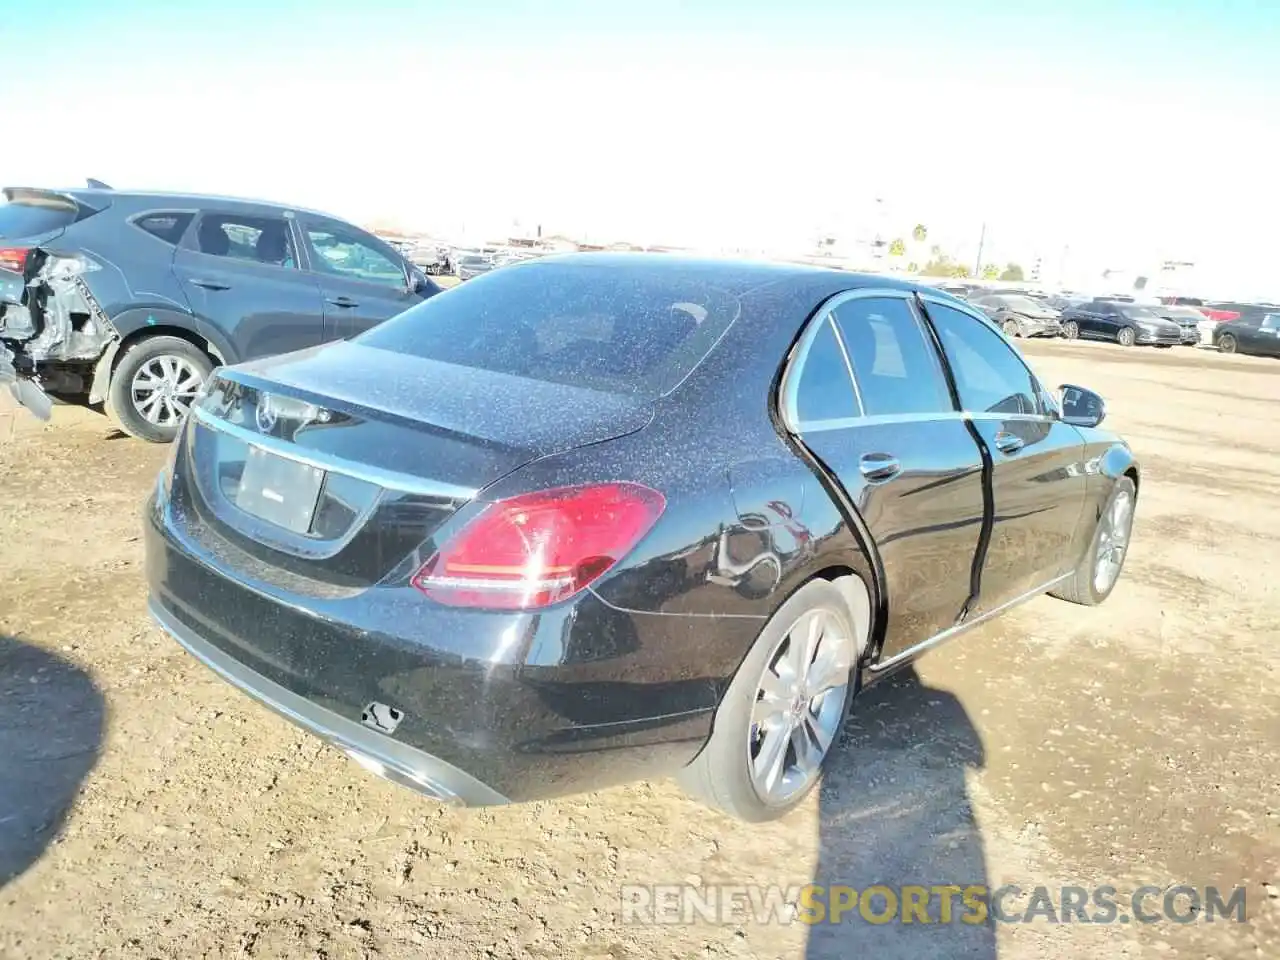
column 982, row 239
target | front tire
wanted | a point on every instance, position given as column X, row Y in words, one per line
column 1126, row 337
column 1099, row 569
column 1071, row 330
column 774, row 730
column 1011, row 329
column 153, row 386
column 1227, row 343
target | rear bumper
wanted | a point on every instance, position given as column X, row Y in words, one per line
column 495, row 706
column 384, row 756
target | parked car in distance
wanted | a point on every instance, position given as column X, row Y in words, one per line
column 432, row 257
column 1257, row 334
column 1196, row 327
column 1224, row 310
column 1124, row 322
column 132, row 299
column 1064, row 301
column 1020, row 316
column 959, row 288
column 654, row 516
column 469, row 264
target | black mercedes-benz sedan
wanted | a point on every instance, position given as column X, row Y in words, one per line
column 598, row 518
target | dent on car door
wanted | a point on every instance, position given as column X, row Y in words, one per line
column 241, row 276
column 867, row 396
column 1038, row 473
column 362, row 283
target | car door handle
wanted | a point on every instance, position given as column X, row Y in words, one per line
column 1008, row 442
column 343, row 302
column 210, row 284
column 879, row 466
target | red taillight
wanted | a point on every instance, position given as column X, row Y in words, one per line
column 14, row 258
column 539, row 548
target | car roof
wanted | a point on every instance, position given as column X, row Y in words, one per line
column 99, row 198
column 735, row 275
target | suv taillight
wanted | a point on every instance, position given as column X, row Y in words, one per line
column 14, row 258
column 537, row 549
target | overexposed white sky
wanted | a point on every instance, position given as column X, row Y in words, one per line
column 1129, row 136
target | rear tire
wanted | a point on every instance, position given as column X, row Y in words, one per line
column 1011, row 329
column 1086, row 586
column 1126, row 337
column 153, row 385
column 1071, row 330
column 761, row 710
column 1227, row 343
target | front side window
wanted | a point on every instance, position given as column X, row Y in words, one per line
column 990, row 376
column 335, row 251
column 262, row 240
column 824, row 390
column 894, row 363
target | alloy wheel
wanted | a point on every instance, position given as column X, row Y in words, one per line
column 1010, row 328
column 164, row 388
column 1071, row 330
column 1227, row 344
column 799, row 703
column 1125, row 337
column 1113, row 539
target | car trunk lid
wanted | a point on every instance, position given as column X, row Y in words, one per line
column 325, row 469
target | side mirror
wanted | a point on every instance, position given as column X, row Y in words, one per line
column 1080, row 407
column 419, row 284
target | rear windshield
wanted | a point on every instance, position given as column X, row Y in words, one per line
column 27, row 218
column 620, row 330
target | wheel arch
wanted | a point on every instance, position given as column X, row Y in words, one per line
column 135, row 326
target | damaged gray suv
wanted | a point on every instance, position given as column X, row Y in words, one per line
column 131, row 299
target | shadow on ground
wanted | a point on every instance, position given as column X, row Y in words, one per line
column 51, row 726
column 895, row 811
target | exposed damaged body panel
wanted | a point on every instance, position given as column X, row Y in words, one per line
column 53, row 314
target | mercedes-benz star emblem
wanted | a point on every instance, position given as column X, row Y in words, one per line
column 265, row 413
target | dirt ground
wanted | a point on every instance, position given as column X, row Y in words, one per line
column 148, row 810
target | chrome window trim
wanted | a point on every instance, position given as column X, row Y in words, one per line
column 795, row 365
column 843, row 423
column 387, row 479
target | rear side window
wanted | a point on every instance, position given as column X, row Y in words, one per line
column 824, row 390
column 168, row 227
column 263, row 240
column 990, row 377
column 618, row 330
column 895, row 364
column 30, row 217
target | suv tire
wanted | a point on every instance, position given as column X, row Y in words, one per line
column 153, row 385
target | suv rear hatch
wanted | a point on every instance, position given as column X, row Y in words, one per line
column 46, row 308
